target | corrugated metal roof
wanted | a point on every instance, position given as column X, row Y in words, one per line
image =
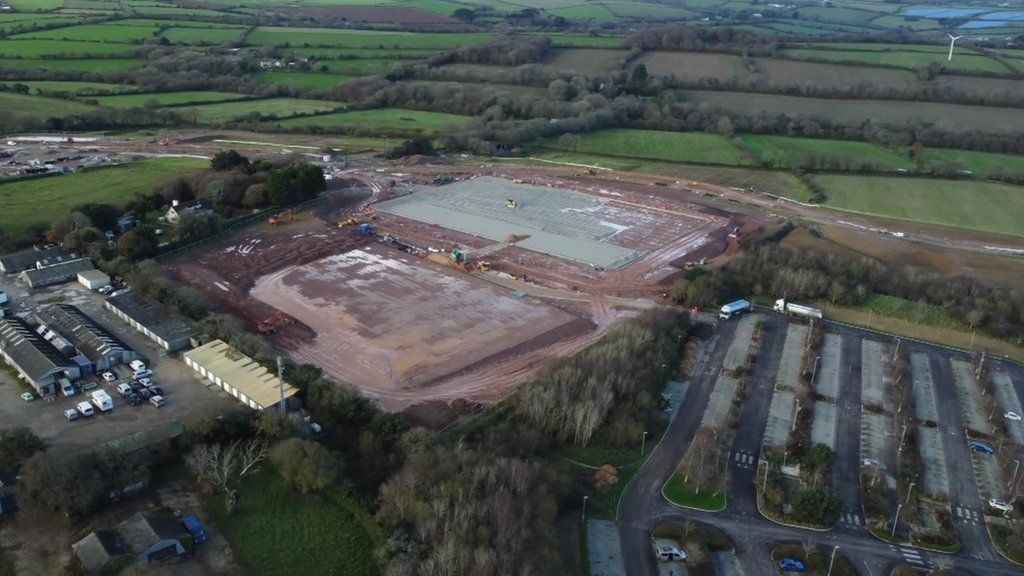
column 151, row 316
column 33, row 355
column 240, row 372
column 91, row 339
column 56, row 273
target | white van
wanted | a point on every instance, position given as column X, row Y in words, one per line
column 138, row 365
column 66, row 388
column 85, row 408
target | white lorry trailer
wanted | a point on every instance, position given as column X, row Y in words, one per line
column 102, row 400
column 796, row 309
column 734, row 309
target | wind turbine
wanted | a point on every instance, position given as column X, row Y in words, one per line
column 952, row 40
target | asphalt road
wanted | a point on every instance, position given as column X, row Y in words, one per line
column 642, row 506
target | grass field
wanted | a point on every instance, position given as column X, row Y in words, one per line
column 901, row 59
column 682, row 494
column 93, row 33
column 648, row 12
column 278, row 107
column 304, row 79
column 368, row 39
column 948, row 116
column 384, row 120
column 584, row 60
column 692, row 147
column 21, row 106
column 597, row 12
column 168, row 98
column 41, row 48
column 910, row 311
column 81, row 88
column 356, row 66
column 584, row 41
column 982, row 164
column 78, row 64
column 787, row 152
column 30, row 5
column 981, row 206
column 279, row 533
column 12, row 23
column 43, row 200
column 192, row 35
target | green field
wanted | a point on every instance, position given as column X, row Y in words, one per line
column 368, row 39
column 982, row 164
column 21, row 106
column 12, row 23
column 43, row 200
column 584, row 41
column 981, row 206
column 192, row 35
column 30, row 5
column 648, row 11
column 910, row 311
column 278, row 107
column 787, row 152
column 43, row 48
column 304, row 79
column 358, row 53
column 384, row 120
column 902, row 59
column 597, row 12
column 356, row 66
column 93, row 33
column 82, row 88
column 168, row 98
column 694, row 147
column 77, row 64
column 277, row 532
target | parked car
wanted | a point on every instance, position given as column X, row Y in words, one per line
column 109, row 376
column 791, row 565
column 145, row 381
column 124, row 388
column 71, row 415
column 66, row 389
column 669, row 553
column 1000, row 504
column 1012, row 416
column 139, row 374
column 137, row 365
column 106, row 289
column 85, row 409
column 156, row 390
column 88, row 385
column 195, row 529
column 146, row 393
column 133, row 398
column 157, row 401
column 982, row 447
column 27, row 396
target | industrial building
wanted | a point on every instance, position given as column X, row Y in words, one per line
column 238, row 375
column 56, row 271
column 36, row 360
column 22, row 260
column 172, row 334
column 96, row 344
column 93, row 279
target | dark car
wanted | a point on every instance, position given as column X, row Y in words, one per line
column 791, row 565
column 195, row 529
column 982, row 447
column 156, row 390
column 146, row 393
column 133, row 398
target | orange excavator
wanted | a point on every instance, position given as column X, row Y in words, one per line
column 272, row 324
column 281, row 218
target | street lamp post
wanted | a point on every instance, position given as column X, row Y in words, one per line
column 910, row 490
column 795, row 414
column 896, row 520
column 815, row 370
column 1016, row 467
column 643, row 443
column 903, row 436
column 585, row 498
column 833, row 559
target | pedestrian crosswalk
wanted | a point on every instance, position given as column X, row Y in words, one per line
column 913, row 557
column 967, row 516
column 850, row 519
column 742, row 459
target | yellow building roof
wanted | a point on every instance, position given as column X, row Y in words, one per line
column 240, row 372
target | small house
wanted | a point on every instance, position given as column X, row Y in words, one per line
column 196, row 207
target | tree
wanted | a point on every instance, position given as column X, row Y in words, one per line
column 192, row 227
column 66, row 481
column 227, row 160
column 134, row 245
column 65, row 225
column 16, row 446
column 222, row 468
column 304, row 465
column 820, row 506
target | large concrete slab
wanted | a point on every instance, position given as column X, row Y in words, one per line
column 933, row 456
column 780, row 419
column 1009, row 402
column 826, row 381
column 739, row 349
column 875, row 432
column 717, row 412
column 792, row 356
column 823, row 428
column 604, row 548
column 597, row 231
column 969, row 397
column 875, row 386
column 924, row 389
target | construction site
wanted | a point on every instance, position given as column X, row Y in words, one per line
column 433, row 285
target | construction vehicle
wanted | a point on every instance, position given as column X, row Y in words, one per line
column 517, row 181
column 483, row 265
column 281, row 218
column 365, row 229
column 459, row 255
column 272, row 324
column 511, row 203
column 443, row 179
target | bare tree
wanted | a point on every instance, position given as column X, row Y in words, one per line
column 224, row 467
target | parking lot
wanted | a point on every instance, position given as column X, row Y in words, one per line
column 184, row 393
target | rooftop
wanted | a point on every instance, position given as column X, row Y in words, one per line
column 151, row 316
column 91, row 339
column 33, row 355
column 240, row 372
column 56, row 272
column 94, row 275
column 25, row 259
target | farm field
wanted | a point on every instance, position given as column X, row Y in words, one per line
column 654, row 145
column 948, row 116
column 13, row 23
column 982, row 164
column 356, row 66
column 980, row 206
column 43, row 200
column 788, row 152
column 584, row 61
column 56, row 48
column 93, row 33
column 190, row 35
column 78, row 64
column 278, row 532
column 279, row 107
column 692, row 66
column 168, row 98
column 584, row 41
column 384, row 120
column 909, row 60
column 37, row 86
column 368, row 39
column 20, row 105
column 304, row 79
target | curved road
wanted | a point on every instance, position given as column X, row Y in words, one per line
column 642, row 506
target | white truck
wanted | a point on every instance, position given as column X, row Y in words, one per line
column 796, row 309
column 102, row 400
column 733, row 309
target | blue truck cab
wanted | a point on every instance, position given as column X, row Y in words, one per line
column 734, row 309
column 195, row 529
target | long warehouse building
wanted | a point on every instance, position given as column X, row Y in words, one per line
column 238, row 375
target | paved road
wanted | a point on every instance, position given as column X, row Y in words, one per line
column 643, row 507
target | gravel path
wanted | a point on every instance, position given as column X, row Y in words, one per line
column 603, row 544
column 780, row 419
column 792, row 354
column 827, row 380
column 924, row 389
column 1009, row 402
column 736, row 356
column 727, row 564
column 969, row 397
column 929, row 442
column 823, row 429
column 874, row 378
